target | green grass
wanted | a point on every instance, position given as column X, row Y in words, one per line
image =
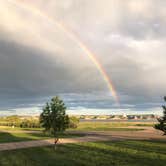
column 104, row 126
column 18, row 128
column 17, row 137
column 83, row 126
column 117, row 153
column 107, row 129
column 145, row 124
column 89, row 126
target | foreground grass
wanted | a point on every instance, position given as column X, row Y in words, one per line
column 17, row 137
column 119, row 153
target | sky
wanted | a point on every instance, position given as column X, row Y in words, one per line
column 39, row 60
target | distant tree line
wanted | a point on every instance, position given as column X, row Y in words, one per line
column 17, row 121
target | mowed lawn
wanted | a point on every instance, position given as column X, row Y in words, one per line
column 113, row 153
column 11, row 134
column 17, row 137
column 106, row 126
column 92, row 126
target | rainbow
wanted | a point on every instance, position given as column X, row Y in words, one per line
column 74, row 37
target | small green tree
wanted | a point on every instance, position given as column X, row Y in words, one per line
column 162, row 121
column 45, row 118
column 54, row 118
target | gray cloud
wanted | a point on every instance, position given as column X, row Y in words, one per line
column 27, row 71
column 39, row 59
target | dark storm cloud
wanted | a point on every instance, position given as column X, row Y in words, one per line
column 27, row 71
column 127, row 37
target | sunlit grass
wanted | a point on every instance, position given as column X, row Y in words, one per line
column 105, row 126
column 117, row 153
column 92, row 126
column 17, row 137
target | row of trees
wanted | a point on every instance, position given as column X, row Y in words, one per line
column 19, row 122
column 22, row 124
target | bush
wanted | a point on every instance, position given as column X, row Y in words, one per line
column 73, row 122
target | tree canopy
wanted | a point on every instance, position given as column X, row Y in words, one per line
column 162, row 121
column 54, row 118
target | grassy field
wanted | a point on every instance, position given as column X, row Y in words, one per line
column 17, row 137
column 94, row 126
column 145, row 124
column 8, row 128
column 106, row 126
column 116, row 153
column 9, row 136
column 84, row 126
column 106, row 129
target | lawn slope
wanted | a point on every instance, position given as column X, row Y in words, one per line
column 118, row 153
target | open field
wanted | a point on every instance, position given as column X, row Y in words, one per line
column 9, row 134
column 9, row 128
column 91, row 144
column 112, row 126
column 18, row 137
column 118, row 153
column 92, row 126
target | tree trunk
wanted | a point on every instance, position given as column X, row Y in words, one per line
column 55, row 143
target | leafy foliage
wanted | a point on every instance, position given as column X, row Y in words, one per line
column 54, row 118
column 17, row 121
column 73, row 122
column 162, row 121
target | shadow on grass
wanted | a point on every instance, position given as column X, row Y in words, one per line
column 143, row 145
column 6, row 137
column 106, row 129
column 85, row 154
column 17, row 137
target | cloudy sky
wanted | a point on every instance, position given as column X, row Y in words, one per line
column 39, row 59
